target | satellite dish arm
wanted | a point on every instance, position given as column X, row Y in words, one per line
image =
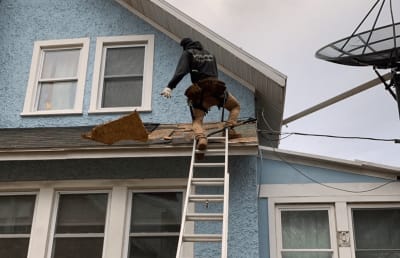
column 331, row 101
column 387, row 86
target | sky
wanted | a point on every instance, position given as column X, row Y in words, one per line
column 285, row 34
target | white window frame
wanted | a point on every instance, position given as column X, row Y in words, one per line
column 97, row 87
column 316, row 194
column 117, row 224
column 332, row 227
column 33, row 216
column 55, row 213
column 189, row 253
column 364, row 206
column 30, row 104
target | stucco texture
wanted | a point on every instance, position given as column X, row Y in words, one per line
column 23, row 22
column 243, row 221
column 280, row 172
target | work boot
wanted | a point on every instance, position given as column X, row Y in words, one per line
column 202, row 143
column 232, row 134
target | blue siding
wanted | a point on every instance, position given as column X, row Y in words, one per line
column 22, row 22
column 279, row 172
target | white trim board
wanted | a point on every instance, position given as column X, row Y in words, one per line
column 382, row 190
column 356, row 166
column 252, row 61
column 112, row 152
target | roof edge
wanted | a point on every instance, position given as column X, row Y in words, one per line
column 356, row 166
column 113, row 152
column 270, row 72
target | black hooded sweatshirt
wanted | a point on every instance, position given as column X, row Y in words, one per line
column 196, row 61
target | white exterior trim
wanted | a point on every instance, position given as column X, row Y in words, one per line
column 276, row 76
column 30, row 97
column 145, row 40
column 189, row 248
column 112, row 152
column 53, row 220
column 356, row 166
column 44, row 216
column 303, row 195
column 323, row 193
column 332, row 225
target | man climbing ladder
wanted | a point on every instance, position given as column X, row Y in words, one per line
column 206, row 90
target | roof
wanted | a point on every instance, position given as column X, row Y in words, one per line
column 267, row 83
column 67, row 143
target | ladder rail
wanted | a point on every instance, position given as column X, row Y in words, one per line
column 225, row 212
column 192, row 198
column 186, row 204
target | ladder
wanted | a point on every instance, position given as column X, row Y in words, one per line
column 191, row 198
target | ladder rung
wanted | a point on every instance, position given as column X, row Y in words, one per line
column 208, row 181
column 202, row 238
column 206, row 198
column 222, row 151
column 204, row 216
column 216, row 138
column 208, row 165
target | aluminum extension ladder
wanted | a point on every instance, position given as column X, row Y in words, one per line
column 191, row 198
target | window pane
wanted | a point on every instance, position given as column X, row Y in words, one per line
column 122, row 92
column 305, row 229
column 16, row 213
column 124, row 61
column 78, row 248
column 378, row 254
column 61, row 63
column 151, row 247
column 14, row 247
column 156, row 212
column 55, row 96
column 307, row 255
column 81, row 213
column 377, row 229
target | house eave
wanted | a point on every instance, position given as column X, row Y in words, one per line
column 113, row 152
column 356, row 166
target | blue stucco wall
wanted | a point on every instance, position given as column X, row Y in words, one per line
column 280, row 172
column 243, row 220
column 22, row 22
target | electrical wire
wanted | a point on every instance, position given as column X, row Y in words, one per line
column 330, row 136
column 326, row 185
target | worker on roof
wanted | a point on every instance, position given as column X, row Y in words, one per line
column 206, row 90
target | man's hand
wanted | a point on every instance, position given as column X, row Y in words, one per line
column 167, row 92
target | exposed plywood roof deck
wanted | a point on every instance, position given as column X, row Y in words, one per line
column 67, row 143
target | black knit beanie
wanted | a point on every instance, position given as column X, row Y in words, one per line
column 185, row 42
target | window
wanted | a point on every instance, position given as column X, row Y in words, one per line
column 305, row 232
column 376, row 232
column 57, row 77
column 154, row 224
column 80, row 225
column 122, row 78
column 16, row 213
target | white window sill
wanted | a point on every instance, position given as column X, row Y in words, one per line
column 52, row 113
column 118, row 110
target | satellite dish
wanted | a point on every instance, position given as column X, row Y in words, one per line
column 378, row 47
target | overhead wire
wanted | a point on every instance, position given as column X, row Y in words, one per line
column 298, row 170
column 331, row 136
column 326, row 185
